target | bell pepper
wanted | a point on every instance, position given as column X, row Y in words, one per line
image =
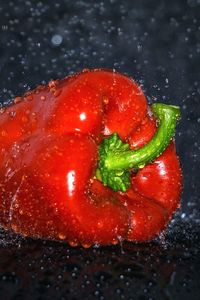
column 87, row 161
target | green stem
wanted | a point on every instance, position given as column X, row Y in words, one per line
column 116, row 159
column 167, row 116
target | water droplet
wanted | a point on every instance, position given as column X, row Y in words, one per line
column 17, row 99
column 56, row 39
column 73, row 243
column 43, row 98
column 61, row 236
column 56, row 93
column 12, row 114
column 52, row 83
column 29, row 97
column 2, row 110
column 3, row 133
column 86, row 246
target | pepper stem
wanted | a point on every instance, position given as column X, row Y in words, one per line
column 116, row 159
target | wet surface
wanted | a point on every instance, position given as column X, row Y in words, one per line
column 49, row 270
column 159, row 45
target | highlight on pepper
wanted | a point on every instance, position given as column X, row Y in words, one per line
column 83, row 161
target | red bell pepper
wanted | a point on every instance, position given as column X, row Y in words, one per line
column 85, row 161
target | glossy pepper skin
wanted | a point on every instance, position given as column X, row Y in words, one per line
column 49, row 141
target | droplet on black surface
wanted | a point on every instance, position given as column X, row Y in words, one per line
column 56, row 39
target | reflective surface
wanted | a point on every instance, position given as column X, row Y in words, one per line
column 49, row 270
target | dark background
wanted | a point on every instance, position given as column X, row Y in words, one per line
column 158, row 44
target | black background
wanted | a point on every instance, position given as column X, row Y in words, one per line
column 158, row 44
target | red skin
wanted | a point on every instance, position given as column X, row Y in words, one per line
column 48, row 158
